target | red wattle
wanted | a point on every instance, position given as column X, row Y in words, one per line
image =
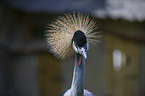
column 79, row 63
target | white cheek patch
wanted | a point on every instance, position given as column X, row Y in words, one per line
column 74, row 47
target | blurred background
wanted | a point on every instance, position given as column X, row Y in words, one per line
column 116, row 67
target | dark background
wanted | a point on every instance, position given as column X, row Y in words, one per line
column 28, row 69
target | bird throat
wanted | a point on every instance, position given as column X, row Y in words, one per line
column 77, row 87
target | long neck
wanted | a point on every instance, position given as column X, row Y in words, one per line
column 77, row 87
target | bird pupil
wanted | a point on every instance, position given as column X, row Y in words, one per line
column 79, row 38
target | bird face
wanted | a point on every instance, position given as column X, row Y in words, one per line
column 80, row 44
column 81, row 50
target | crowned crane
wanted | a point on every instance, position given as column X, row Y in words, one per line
column 69, row 34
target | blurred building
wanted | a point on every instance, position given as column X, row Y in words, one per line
column 114, row 68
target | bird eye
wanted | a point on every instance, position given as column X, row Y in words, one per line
column 81, row 51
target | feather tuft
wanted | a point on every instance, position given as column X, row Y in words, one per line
column 60, row 33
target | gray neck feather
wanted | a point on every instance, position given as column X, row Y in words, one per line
column 77, row 87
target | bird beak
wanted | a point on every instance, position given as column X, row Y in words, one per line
column 85, row 55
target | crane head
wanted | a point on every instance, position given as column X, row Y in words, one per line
column 80, row 44
column 71, row 29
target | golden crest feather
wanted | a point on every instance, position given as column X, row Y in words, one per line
column 60, row 33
